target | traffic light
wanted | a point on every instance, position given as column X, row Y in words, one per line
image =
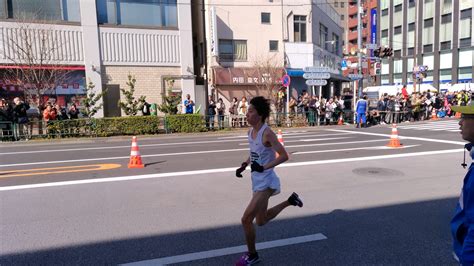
column 377, row 52
column 386, row 52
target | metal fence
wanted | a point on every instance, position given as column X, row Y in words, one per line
column 88, row 128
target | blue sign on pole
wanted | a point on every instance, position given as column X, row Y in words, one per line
column 373, row 28
column 343, row 65
column 285, row 80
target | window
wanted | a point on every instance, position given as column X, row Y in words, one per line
column 411, row 26
column 411, row 3
column 273, row 46
column 342, row 4
column 446, row 19
column 446, row 6
column 323, row 36
column 397, row 30
column 466, row 14
column 299, row 25
column 398, row 8
column 410, row 51
column 335, row 43
column 428, row 23
column 342, row 17
column 336, row 4
column 50, row 10
column 385, row 12
column 427, row 48
column 232, row 50
column 385, row 33
column 465, row 4
column 465, row 28
column 428, row 9
column 446, row 45
column 151, row 13
column 265, row 17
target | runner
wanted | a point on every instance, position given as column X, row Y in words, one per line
column 265, row 183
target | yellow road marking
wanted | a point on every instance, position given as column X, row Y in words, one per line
column 58, row 170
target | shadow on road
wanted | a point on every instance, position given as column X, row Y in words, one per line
column 413, row 233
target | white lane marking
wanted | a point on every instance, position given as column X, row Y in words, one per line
column 119, row 147
column 430, row 127
column 143, row 145
column 309, row 140
column 221, row 170
column 284, row 133
column 285, row 140
column 401, row 137
column 179, row 153
column 353, row 149
column 229, row 251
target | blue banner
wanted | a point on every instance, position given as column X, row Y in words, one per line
column 373, row 28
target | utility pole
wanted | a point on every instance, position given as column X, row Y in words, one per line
column 204, row 45
column 415, row 47
column 360, row 11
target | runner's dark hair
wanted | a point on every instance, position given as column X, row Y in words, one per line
column 262, row 106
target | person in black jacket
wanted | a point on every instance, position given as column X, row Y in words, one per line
column 20, row 118
column 211, row 112
column 6, row 119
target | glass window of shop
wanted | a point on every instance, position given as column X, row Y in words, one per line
column 446, row 61
column 445, row 75
column 411, row 16
column 385, row 68
column 397, row 79
column 446, row 6
column 465, row 4
column 410, row 64
column 465, row 74
column 428, row 60
column 397, row 66
column 149, row 13
column 46, row 10
column 465, row 29
column 428, row 9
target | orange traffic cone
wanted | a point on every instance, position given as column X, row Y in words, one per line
column 394, row 140
column 340, row 122
column 280, row 137
column 433, row 115
column 135, row 157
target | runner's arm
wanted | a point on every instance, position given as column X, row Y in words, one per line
column 270, row 137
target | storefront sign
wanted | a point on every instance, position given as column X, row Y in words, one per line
column 245, row 76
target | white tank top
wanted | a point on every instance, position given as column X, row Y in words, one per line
column 258, row 152
column 262, row 155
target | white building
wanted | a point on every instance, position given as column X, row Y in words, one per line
column 291, row 34
column 103, row 41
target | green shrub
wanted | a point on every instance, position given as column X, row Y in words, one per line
column 185, row 123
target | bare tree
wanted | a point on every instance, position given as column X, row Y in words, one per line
column 269, row 72
column 33, row 52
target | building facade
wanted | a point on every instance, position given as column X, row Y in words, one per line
column 102, row 41
column 433, row 33
column 368, row 34
column 242, row 39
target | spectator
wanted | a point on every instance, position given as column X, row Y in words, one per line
column 220, row 112
column 233, row 111
column 6, row 119
column 188, row 105
column 73, row 112
column 146, row 108
column 242, row 111
column 211, row 113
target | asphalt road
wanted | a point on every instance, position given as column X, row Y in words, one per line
column 368, row 204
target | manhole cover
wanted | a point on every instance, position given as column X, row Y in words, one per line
column 377, row 172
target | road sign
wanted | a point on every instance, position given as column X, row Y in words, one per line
column 343, row 64
column 355, row 76
column 316, row 69
column 316, row 82
column 371, row 46
column 317, row 75
column 286, row 80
